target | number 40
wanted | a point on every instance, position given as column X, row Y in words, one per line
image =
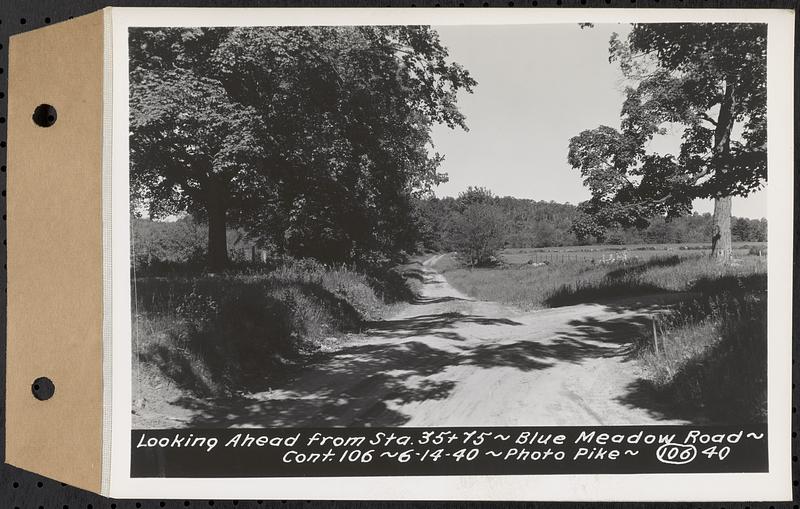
column 720, row 453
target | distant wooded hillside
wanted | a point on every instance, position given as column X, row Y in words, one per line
column 530, row 223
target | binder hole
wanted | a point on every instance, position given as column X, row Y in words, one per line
column 43, row 388
column 44, row 115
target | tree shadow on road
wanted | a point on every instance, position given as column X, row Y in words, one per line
column 617, row 331
column 368, row 384
column 589, row 338
column 437, row 300
column 430, row 325
column 417, row 274
column 398, row 375
column 599, row 337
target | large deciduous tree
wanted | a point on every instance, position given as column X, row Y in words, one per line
column 478, row 226
column 707, row 80
column 314, row 138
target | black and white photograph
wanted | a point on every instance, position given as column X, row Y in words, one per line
column 364, row 245
column 422, row 225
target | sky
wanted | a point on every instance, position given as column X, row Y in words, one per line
column 538, row 85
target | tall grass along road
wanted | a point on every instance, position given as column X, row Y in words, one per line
column 446, row 359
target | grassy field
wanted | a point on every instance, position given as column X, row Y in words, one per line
column 709, row 351
column 610, row 253
column 562, row 283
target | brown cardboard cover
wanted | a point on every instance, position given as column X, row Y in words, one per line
column 55, row 270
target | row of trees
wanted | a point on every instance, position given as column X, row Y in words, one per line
column 478, row 228
column 478, row 224
column 693, row 228
column 315, row 139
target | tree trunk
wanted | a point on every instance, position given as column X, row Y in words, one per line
column 721, row 246
column 217, row 238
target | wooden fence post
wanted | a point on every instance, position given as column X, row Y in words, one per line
column 655, row 335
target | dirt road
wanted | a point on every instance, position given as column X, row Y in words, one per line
column 449, row 360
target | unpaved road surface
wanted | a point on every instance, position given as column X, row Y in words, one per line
column 449, row 360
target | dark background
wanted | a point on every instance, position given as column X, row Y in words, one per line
column 22, row 490
column 253, row 461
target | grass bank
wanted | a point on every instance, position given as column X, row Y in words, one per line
column 708, row 357
column 215, row 335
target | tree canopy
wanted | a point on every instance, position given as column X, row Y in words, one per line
column 314, row 138
column 707, row 80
